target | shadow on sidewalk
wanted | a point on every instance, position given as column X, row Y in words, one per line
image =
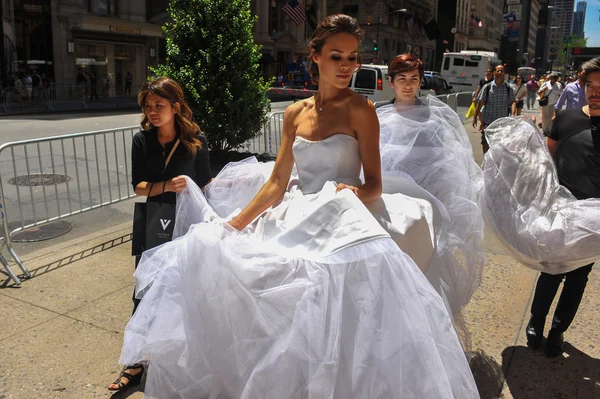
column 130, row 391
column 52, row 266
column 488, row 374
column 533, row 375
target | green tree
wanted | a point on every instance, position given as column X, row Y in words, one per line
column 565, row 59
column 211, row 52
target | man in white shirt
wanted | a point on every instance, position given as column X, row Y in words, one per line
column 552, row 91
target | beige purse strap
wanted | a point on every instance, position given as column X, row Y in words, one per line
column 171, row 154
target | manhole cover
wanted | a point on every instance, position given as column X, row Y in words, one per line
column 39, row 179
column 40, row 233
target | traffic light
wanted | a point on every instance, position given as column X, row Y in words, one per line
column 374, row 47
column 564, row 50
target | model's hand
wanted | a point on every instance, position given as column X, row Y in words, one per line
column 343, row 186
column 176, row 184
column 475, row 122
column 235, row 224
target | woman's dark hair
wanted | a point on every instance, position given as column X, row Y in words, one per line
column 171, row 91
column 519, row 76
column 337, row 23
column 405, row 63
column 591, row 66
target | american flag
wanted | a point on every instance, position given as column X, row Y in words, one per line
column 413, row 29
column 295, row 10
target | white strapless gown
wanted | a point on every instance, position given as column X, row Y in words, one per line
column 314, row 299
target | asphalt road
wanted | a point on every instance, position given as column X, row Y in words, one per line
column 104, row 176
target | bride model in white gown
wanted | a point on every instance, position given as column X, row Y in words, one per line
column 305, row 294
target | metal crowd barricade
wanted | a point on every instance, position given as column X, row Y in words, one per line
column 11, row 98
column 44, row 180
column 64, row 94
column 269, row 140
column 451, row 101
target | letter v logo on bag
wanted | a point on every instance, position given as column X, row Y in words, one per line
column 165, row 223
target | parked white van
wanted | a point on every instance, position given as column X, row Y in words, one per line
column 372, row 81
column 464, row 70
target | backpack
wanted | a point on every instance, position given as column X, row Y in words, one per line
column 487, row 95
column 487, row 91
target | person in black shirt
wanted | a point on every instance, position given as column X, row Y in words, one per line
column 166, row 119
column 489, row 76
column 574, row 142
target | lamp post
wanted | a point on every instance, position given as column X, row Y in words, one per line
column 379, row 21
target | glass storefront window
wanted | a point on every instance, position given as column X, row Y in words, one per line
column 90, row 54
column 124, row 52
column 103, row 7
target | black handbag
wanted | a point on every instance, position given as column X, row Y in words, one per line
column 153, row 222
column 544, row 100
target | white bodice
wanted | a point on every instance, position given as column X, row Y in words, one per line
column 336, row 158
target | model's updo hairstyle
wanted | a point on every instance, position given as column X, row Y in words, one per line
column 171, row 91
column 337, row 23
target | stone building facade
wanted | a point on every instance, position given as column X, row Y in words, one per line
column 101, row 37
column 385, row 26
column 106, row 37
column 113, row 37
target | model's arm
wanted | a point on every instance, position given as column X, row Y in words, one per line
column 561, row 101
column 476, row 96
column 275, row 187
column 477, row 112
column 553, row 137
column 365, row 123
column 552, row 145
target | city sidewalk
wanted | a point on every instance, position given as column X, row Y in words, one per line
column 104, row 104
column 62, row 330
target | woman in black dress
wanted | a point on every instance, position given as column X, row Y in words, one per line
column 167, row 123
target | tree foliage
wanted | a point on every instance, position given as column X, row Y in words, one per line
column 565, row 59
column 211, row 52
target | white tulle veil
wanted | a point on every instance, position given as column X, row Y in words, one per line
column 539, row 222
column 429, row 143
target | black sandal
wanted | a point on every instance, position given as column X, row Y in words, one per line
column 133, row 380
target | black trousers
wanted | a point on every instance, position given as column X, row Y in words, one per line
column 136, row 301
column 568, row 303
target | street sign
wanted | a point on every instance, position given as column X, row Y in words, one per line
column 568, row 39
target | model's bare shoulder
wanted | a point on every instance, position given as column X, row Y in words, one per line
column 293, row 110
column 360, row 105
column 358, row 101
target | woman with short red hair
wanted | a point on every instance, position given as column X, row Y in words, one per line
column 405, row 73
column 425, row 138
